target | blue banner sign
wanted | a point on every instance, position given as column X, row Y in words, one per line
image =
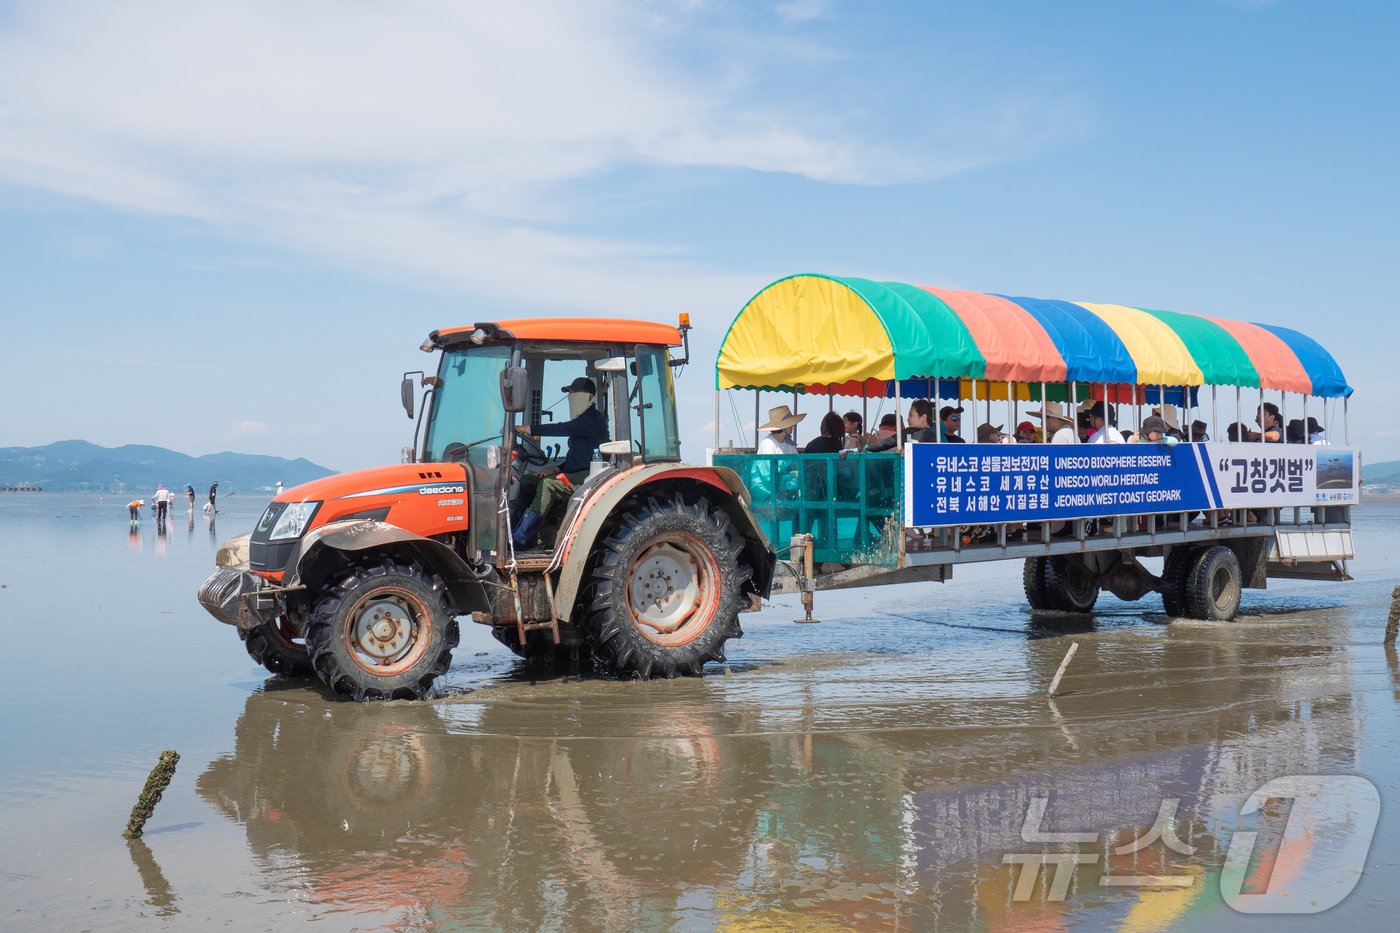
column 963, row 484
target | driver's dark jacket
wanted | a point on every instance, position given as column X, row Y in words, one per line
column 585, row 433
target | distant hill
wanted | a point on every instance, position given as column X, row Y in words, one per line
column 77, row 466
column 1387, row 472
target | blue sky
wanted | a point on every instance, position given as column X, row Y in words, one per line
column 229, row 226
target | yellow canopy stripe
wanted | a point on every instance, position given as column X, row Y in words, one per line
column 1161, row 357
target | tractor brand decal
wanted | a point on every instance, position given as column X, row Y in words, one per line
column 441, row 490
column 973, row 483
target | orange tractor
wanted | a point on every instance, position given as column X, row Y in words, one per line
column 640, row 560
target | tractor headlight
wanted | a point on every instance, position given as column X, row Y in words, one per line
column 294, row 520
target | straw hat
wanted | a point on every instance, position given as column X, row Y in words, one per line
column 779, row 418
column 1168, row 414
column 1052, row 411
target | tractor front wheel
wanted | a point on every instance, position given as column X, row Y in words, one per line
column 383, row 632
column 666, row 589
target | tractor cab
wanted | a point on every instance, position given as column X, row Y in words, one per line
column 500, row 400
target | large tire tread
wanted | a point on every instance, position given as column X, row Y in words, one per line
column 268, row 647
column 617, row 644
column 326, row 623
column 1200, row 599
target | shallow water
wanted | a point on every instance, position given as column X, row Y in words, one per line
column 870, row 772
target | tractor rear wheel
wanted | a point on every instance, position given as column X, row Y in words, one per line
column 273, row 644
column 383, row 632
column 665, row 589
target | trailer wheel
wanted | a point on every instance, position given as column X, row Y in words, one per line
column 1069, row 585
column 384, row 632
column 1033, row 581
column 273, row 644
column 665, row 589
column 1174, row 571
column 1214, row 585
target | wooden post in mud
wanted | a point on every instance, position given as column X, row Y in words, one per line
column 151, row 793
column 1393, row 623
column 1073, row 647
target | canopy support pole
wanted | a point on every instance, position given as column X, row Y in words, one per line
column 1011, row 409
column 1283, row 415
column 1074, row 409
column 793, row 436
column 716, row 419
column 898, row 415
column 757, row 419
column 973, row 406
column 1307, row 435
column 1346, row 421
column 1214, row 412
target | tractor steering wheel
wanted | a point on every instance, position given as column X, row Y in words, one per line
column 530, row 450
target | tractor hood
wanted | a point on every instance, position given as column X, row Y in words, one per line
column 400, row 479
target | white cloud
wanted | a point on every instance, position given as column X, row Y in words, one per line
column 438, row 138
column 798, row 11
column 248, row 427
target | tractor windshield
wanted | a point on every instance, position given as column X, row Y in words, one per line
column 467, row 411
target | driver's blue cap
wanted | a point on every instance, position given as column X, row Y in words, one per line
column 581, row 384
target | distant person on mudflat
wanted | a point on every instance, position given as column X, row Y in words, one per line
column 213, row 497
column 163, row 498
column 134, row 508
column 189, row 494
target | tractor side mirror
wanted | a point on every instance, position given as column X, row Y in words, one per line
column 614, row 364
column 406, row 393
column 515, row 388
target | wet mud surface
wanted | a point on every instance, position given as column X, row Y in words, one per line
column 872, row 772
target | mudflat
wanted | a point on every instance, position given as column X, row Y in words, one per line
column 872, row 772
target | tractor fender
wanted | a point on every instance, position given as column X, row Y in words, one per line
column 726, row 492
column 315, row 556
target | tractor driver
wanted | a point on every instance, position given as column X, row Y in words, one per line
column 585, row 429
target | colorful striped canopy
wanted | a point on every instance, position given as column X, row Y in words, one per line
column 853, row 336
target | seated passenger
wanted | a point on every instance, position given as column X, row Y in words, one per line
column 888, row 425
column 1058, row 429
column 1103, row 418
column 854, row 425
column 1168, row 415
column 950, row 423
column 1267, row 417
column 1154, row 431
column 1293, row 434
column 916, row 428
column 781, row 421
column 1199, row 434
column 832, row 437
column 1315, row 433
column 1238, row 433
column 587, row 429
column 989, row 434
column 1025, row 433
